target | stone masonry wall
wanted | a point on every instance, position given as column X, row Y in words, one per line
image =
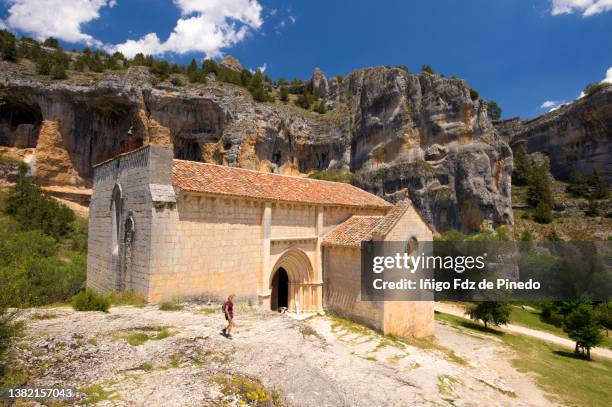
column 206, row 246
column 132, row 174
column 342, row 287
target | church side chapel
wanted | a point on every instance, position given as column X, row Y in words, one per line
column 172, row 228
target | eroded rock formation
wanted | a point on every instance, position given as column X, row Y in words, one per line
column 401, row 134
column 577, row 135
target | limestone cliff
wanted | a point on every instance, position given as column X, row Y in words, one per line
column 401, row 134
column 578, row 135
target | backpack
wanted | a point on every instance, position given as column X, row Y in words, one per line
column 223, row 307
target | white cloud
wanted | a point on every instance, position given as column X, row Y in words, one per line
column 261, row 68
column 61, row 19
column 586, row 7
column 552, row 105
column 2, row 25
column 608, row 78
column 205, row 26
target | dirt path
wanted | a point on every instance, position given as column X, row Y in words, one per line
column 323, row 361
column 545, row 336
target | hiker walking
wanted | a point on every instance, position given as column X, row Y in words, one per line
column 228, row 310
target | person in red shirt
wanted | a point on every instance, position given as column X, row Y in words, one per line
column 228, row 309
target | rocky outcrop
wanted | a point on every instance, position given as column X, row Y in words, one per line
column 577, row 135
column 232, row 63
column 420, row 136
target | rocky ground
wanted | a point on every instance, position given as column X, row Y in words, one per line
column 148, row 357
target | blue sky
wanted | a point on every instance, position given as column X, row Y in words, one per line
column 520, row 53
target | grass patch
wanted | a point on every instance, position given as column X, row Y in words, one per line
column 137, row 338
column 249, row 390
column 209, row 310
column 307, row 330
column 141, row 336
column 128, row 297
column 96, row 393
column 170, row 306
column 446, row 384
column 571, row 380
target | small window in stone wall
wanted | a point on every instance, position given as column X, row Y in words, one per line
column 412, row 246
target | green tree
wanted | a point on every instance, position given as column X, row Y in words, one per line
column 578, row 184
column 522, row 166
column 139, row 59
column 493, row 110
column 583, row 326
column 284, row 93
column 305, row 100
column 428, row 69
column 490, row 312
column 43, row 65
column 9, row 49
column 539, row 186
column 51, row 42
column 58, row 72
column 543, row 213
column 599, row 186
column 256, row 87
column 34, row 210
column 209, row 65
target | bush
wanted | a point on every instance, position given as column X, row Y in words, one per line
column 170, row 306
column 176, row 81
column 284, row 94
column 9, row 49
column 522, row 166
column 89, row 300
column 51, row 42
column 578, row 184
column 58, row 72
column 319, row 107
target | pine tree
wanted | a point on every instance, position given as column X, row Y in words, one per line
column 539, row 186
column 578, row 184
column 522, row 166
column 493, row 110
column 600, row 188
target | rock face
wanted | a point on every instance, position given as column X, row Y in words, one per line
column 402, row 135
column 575, row 135
column 232, row 63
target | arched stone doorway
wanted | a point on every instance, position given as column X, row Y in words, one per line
column 280, row 289
column 294, row 271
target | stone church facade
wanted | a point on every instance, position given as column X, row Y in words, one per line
column 170, row 228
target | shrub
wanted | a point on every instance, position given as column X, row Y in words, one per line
column 43, row 66
column 593, row 209
column 319, row 107
column 305, row 100
column 89, row 300
column 522, row 166
column 176, row 81
column 599, row 186
column 128, row 297
column 58, row 72
column 578, row 184
column 33, row 209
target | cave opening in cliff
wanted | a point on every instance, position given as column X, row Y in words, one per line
column 19, row 123
column 187, row 150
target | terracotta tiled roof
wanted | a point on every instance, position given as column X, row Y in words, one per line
column 219, row 179
column 392, row 218
column 352, row 231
